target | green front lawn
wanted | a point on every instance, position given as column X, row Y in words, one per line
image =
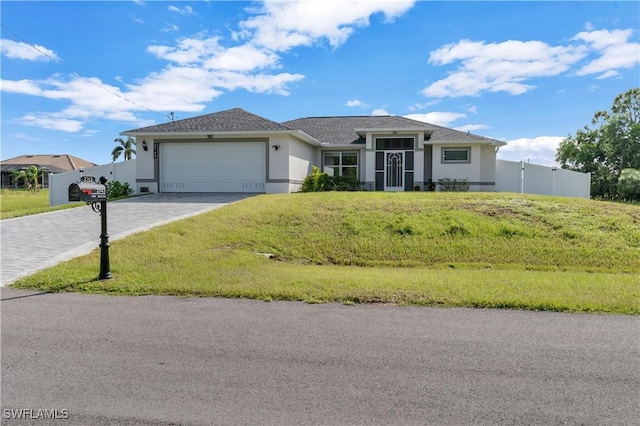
column 20, row 202
column 435, row 249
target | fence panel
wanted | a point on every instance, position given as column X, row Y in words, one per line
column 124, row 172
column 535, row 179
column 508, row 176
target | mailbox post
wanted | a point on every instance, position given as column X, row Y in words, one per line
column 95, row 194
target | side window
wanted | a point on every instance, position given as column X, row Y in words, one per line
column 456, row 155
column 341, row 163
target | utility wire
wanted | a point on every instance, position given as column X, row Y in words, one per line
column 170, row 116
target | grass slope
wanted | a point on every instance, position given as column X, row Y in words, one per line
column 20, row 202
column 486, row 250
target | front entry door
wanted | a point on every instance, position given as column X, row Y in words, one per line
column 394, row 171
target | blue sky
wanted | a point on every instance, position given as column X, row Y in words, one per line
column 76, row 74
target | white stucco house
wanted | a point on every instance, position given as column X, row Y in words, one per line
column 237, row 151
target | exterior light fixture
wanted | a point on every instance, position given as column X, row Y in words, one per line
column 276, row 147
column 144, row 145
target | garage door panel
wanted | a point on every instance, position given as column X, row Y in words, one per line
column 213, row 167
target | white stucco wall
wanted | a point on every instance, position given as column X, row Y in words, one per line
column 145, row 165
column 302, row 158
column 278, row 167
column 488, row 165
column 469, row 171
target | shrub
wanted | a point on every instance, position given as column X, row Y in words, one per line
column 346, row 183
column 629, row 185
column 115, row 189
column 453, row 185
column 316, row 181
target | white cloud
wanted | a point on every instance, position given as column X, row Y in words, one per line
column 473, row 109
column 281, row 25
column 498, row 67
column 438, row 118
column 187, row 10
column 420, row 106
column 354, row 103
column 168, row 27
column 539, row 150
column 18, row 50
column 593, row 88
column 52, row 122
column 187, row 50
column 260, row 83
column 24, row 87
column 379, row 111
column 615, row 51
column 608, row 74
column 509, row 66
column 242, row 58
column 24, row 136
column 472, row 127
column 203, row 67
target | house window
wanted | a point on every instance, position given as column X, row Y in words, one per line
column 341, row 164
column 456, row 155
column 394, row 144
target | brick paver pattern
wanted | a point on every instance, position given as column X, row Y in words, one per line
column 32, row 243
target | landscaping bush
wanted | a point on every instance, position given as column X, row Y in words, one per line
column 316, row 181
column 629, row 185
column 319, row 182
column 453, row 185
column 346, row 183
column 115, row 189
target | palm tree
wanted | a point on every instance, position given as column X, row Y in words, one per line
column 127, row 147
column 30, row 177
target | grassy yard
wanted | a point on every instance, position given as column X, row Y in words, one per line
column 435, row 249
column 19, row 202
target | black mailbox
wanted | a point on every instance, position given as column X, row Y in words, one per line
column 88, row 190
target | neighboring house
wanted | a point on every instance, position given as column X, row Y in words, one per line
column 236, row 151
column 53, row 163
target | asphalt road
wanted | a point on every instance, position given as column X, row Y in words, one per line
column 198, row 361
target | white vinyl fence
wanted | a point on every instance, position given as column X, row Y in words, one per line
column 124, row 172
column 530, row 178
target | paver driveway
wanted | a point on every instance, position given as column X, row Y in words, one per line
column 32, row 243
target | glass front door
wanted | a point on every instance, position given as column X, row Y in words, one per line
column 394, row 171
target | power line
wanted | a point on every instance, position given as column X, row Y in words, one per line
column 170, row 116
column 30, row 44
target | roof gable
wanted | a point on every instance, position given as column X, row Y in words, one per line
column 231, row 120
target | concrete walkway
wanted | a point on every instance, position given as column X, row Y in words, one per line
column 31, row 243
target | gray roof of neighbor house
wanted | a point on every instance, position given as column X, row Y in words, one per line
column 338, row 130
column 231, row 120
column 55, row 163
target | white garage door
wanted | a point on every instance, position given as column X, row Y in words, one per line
column 212, row 167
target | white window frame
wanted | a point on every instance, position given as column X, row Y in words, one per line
column 341, row 166
column 466, row 149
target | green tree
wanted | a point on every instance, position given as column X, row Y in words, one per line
column 128, row 148
column 629, row 185
column 605, row 150
column 32, row 176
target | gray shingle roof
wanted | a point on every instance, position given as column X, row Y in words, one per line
column 231, row 120
column 342, row 130
column 336, row 130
